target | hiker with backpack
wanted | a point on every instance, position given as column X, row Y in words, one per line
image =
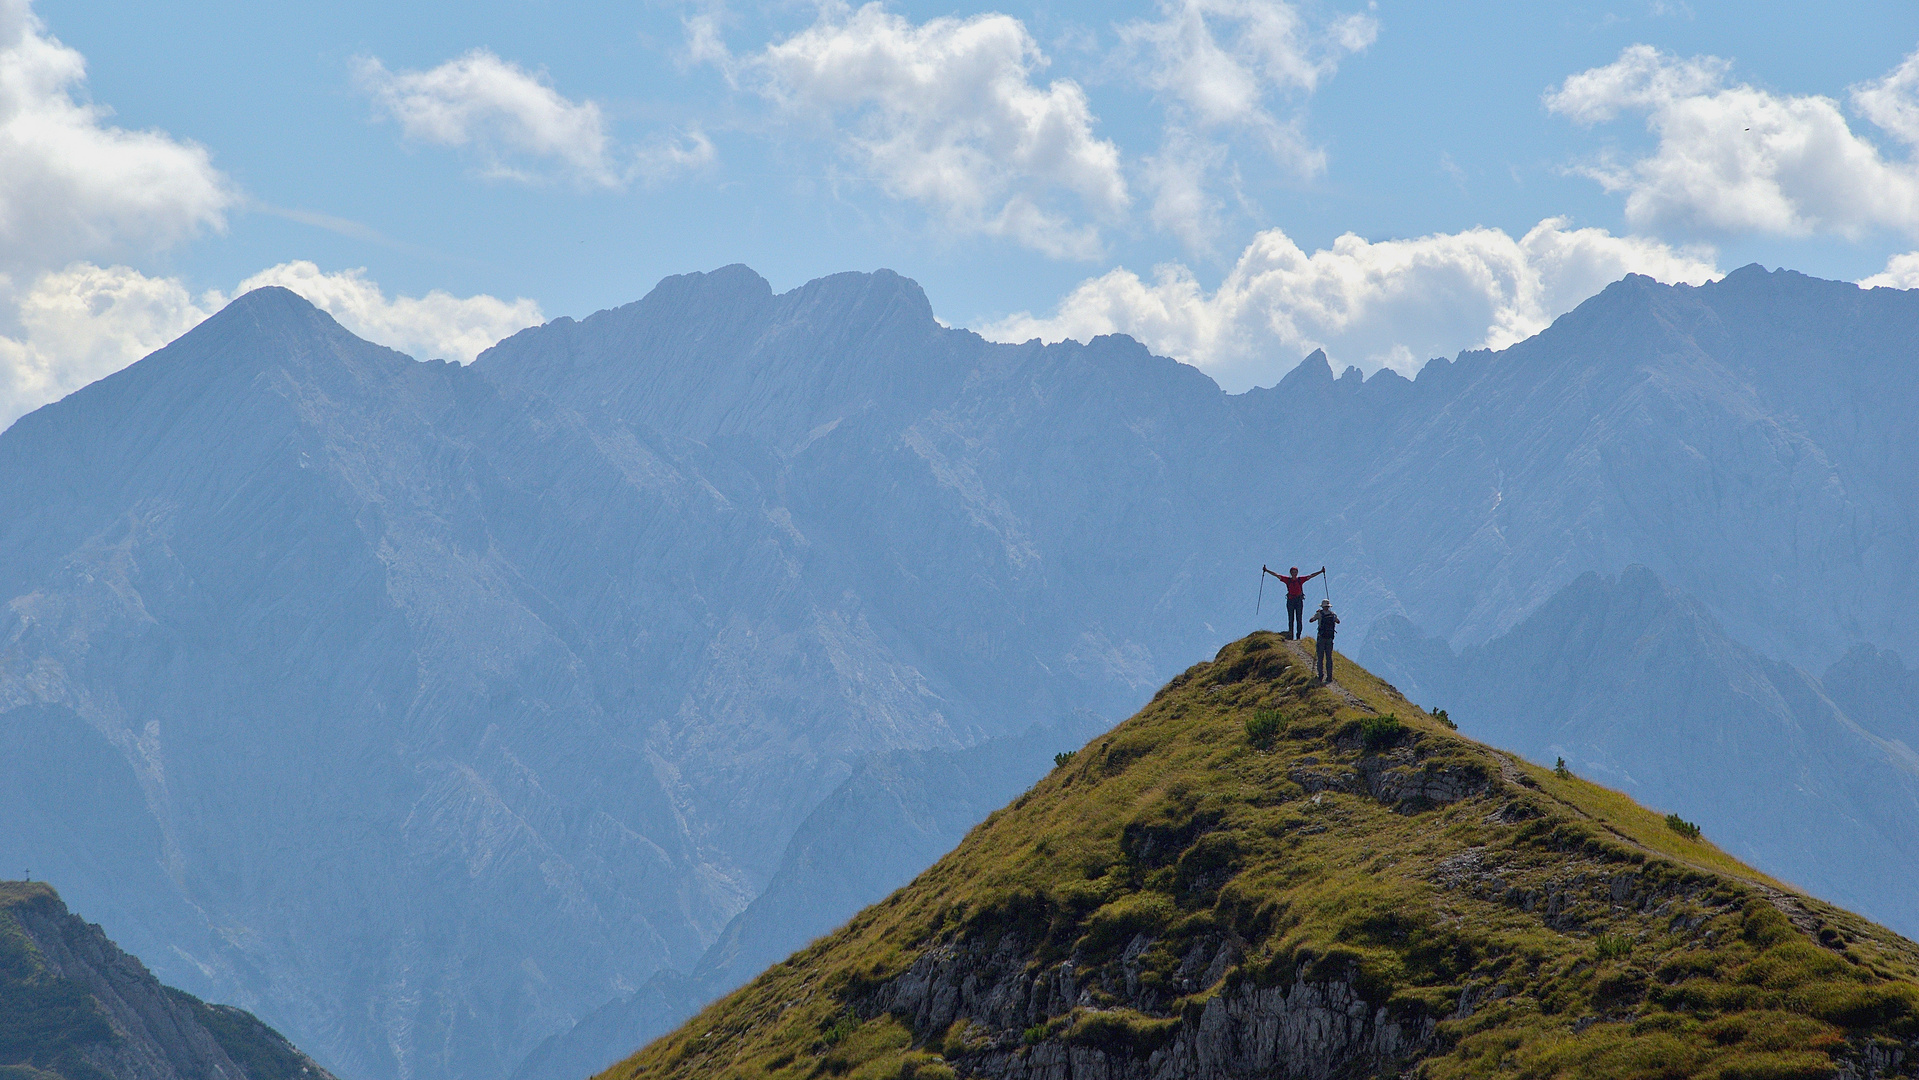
column 1295, row 598
column 1323, row 663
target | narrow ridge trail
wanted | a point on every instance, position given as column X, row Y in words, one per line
column 1298, row 648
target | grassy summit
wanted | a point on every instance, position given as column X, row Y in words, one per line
column 1259, row 876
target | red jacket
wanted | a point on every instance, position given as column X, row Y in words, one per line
column 1296, row 586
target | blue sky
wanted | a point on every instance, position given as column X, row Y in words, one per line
column 1183, row 170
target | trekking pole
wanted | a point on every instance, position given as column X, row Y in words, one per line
column 1262, row 590
column 1323, row 579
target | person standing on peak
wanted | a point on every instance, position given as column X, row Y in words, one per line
column 1323, row 664
column 1295, row 598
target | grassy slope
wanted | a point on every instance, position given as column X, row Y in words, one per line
column 1175, row 825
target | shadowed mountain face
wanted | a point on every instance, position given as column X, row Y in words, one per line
column 1637, row 687
column 74, row 1007
column 1875, row 688
column 427, row 709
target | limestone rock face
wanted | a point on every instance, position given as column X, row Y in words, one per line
column 1309, row 1030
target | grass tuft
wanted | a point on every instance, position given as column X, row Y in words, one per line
column 1264, row 726
column 1379, row 732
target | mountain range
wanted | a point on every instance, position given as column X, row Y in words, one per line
column 429, row 711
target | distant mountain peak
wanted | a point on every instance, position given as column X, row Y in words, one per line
column 1314, row 370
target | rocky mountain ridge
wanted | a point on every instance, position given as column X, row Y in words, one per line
column 75, row 1007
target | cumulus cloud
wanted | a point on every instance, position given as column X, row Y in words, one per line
column 1392, row 303
column 1735, row 158
column 947, row 114
column 518, row 125
column 1223, row 69
column 1901, row 272
column 73, row 185
column 1893, row 101
column 85, row 322
column 1222, row 60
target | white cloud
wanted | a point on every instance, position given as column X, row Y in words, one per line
column 72, row 185
column 947, row 114
column 1901, row 272
column 518, row 125
column 1221, row 60
column 1735, row 158
column 1178, row 175
column 1220, row 68
column 1394, row 303
column 85, row 322
column 1893, row 102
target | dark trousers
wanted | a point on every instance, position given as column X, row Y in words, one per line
column 1323, row 664
column 1296, row 616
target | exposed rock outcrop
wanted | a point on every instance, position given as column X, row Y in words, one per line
column 1308, row 1029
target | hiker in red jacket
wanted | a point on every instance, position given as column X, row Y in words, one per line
column 1295, row 599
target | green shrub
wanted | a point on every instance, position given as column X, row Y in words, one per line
column 1063, row 757
column 1264, row 726
column 1612, row 946
column 1445, row 721
column 1380, row 731
column 1560, row 770
column 843, row 1025
column 1681, row 826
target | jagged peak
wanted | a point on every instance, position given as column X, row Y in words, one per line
column 1313, row 370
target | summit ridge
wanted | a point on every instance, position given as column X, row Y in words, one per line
column 1360, row 892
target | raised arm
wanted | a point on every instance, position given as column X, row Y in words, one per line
column 1315, row 573
column 1272, row 571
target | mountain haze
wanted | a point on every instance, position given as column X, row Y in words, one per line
column 428, row 710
